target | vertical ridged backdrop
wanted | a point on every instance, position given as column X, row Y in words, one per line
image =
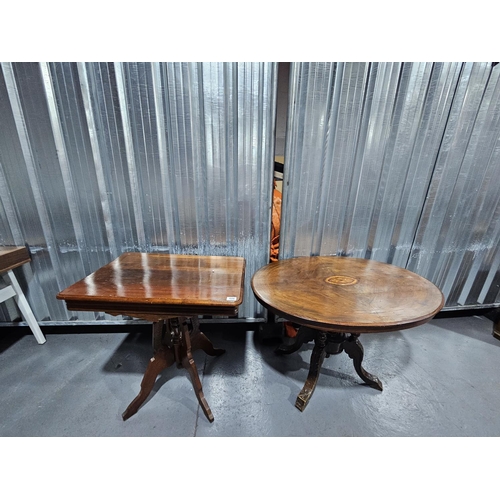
column 98, row 158
column 398, row 162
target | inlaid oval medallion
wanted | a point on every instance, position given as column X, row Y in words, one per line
column 341, row 280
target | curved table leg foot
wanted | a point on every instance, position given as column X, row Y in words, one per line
column 304, row 335
column 189, row 365
column 161, row 359
column 352, row 346
column 317, row 357
column 201, row 341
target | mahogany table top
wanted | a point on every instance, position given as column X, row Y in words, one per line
column 346, row 294
column 145, row 284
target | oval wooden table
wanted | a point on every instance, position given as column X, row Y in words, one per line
column 335, row 299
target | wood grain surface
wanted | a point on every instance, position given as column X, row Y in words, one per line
column 12, row 257
column 346, row 294
column 138, row 284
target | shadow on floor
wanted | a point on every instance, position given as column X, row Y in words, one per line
column 10, row 336
column 134, row 353
column 296, row 365
column 462, row 327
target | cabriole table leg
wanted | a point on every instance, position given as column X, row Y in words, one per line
column 352, row 346
column 200, row 341
column 189, row 364
column 317, row 357
column 161, row 359
column 326, row 344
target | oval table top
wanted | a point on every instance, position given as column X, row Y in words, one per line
column 346, row 294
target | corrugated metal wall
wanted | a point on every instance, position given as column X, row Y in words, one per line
column 397, row 162
column 97, row 159
column 457, row 244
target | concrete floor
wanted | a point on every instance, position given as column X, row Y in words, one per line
column 440, row 379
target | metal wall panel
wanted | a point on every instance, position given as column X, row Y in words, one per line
column 378, row 160
column 361, row 146
column 457, row 245
column 97, row 159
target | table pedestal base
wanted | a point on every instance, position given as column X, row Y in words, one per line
column 325, row 344
column 174, row 340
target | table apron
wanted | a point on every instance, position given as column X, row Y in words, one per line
column 160, row 310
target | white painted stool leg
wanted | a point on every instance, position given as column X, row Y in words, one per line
column 25, row 308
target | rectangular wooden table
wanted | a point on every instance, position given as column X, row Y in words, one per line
column 171, row 291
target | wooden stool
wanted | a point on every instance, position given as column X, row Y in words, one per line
column 171, row 291
column 10, row 258
column 335, row 299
